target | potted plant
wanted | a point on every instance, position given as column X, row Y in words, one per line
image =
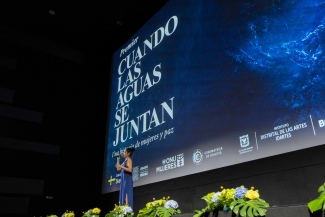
column 92, row 213
column 240, row 201
column 120, row 211
column 217, row 202
column 68, row 214
column 248, row 203
column 161, row 208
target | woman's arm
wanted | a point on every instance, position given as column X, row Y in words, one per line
column 118, row 165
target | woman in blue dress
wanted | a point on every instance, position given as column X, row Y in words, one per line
column 126, row 185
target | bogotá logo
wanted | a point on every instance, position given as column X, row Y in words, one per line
column 244, row 141
column 197, row 157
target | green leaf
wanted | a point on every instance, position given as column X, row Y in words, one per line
column 152, row 214
column 321, row 189
column 163, row 212
column 235, row 210
column 243, row 210
column 249, row 211
column 261, row 212
column 198, row 213
column 145, row 212
column 232, row 205
column 249, row 208
column 206, row 199
column 263, row 202
column 316, row 204
column 235, row 202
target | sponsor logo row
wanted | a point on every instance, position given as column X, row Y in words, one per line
column 178, row 160
column 168, row 163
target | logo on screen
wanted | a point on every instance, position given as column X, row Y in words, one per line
column 111, row 180
column 180, row 160
column 144, row 171
column 197, row 157
column 135, row 173
column 171, row 163
column 244, row 141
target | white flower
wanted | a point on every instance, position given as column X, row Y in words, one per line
column 215, row 197
column 171, row 204
column 127, row 210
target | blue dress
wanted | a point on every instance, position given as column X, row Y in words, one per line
column 126, row 186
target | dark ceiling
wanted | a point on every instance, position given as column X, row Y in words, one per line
column 102, row 25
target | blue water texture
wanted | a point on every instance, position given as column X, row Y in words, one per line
column 285, row 44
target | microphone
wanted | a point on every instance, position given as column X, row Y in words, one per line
column 116, row 156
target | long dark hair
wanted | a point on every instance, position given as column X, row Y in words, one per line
column 130, row 151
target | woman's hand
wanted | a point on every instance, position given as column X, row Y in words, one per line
column 118, row 166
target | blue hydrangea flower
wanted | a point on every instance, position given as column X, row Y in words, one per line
column 127, row 210
column 171, row 204
column 240, row 192
column 215, row 197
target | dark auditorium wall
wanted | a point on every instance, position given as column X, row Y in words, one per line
column 53, row 103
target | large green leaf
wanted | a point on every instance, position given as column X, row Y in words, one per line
column 317, row 204
column 243, row 210
column 250, row 212
column 145, row 212
column 163, row 212
column 249, row 208
column 235, row 209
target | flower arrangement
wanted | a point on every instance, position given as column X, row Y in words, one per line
column 249, row 203
column 162, row 208
column 121, row 211
column 92, row 213
column 239, row 200
column 318, row 203
column 68, row 214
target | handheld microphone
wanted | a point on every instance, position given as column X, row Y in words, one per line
column 116, row 156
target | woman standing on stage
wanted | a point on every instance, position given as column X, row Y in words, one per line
column 126, row 185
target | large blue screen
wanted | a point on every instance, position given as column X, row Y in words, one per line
column 208, row 84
